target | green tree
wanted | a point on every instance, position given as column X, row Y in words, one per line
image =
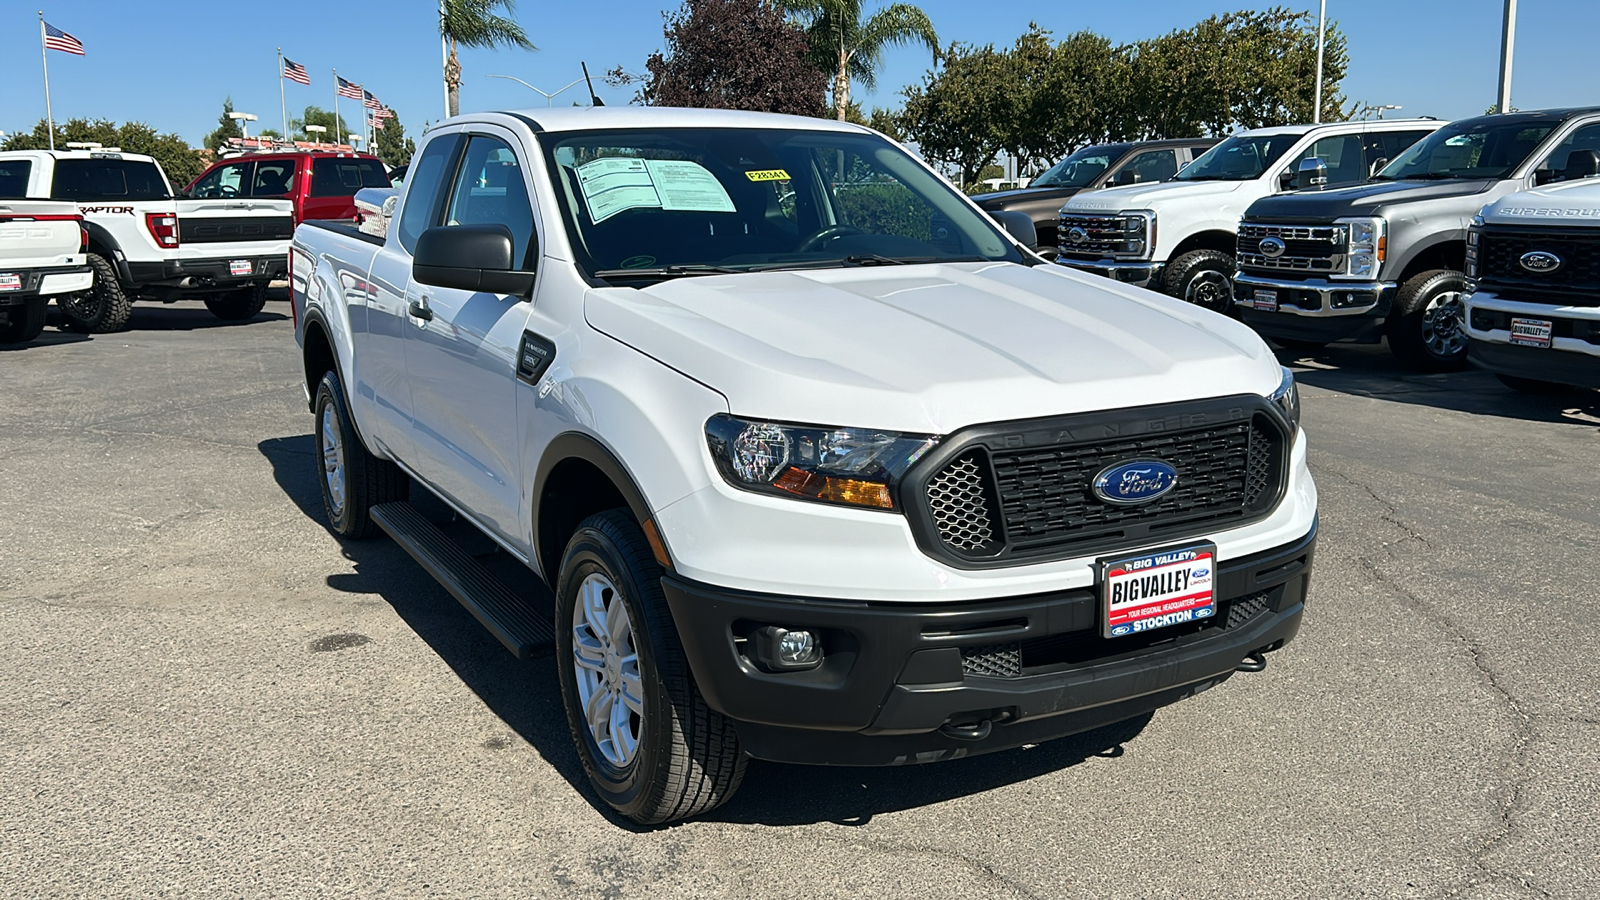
column 171, row 151
column 475, row 23
column 847, row 46
column 337, row 127
column 226, row 128
column 390, row 143
column 952, row 116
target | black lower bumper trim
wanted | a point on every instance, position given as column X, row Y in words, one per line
column 1325, row 329
column 32, row 279
column 200, row 276
column 894, row 674
column 1539, row 364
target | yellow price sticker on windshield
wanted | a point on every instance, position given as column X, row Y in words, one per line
column 768, row 175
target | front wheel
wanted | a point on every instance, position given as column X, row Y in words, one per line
column 26, row 322
column 1425, row 327
column 1202, row 277
column 238, row 305
column 353, row 480
column 652, row 748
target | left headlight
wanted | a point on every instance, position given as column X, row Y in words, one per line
column 1287, row 398
column 848, row 466
column 1368, row 244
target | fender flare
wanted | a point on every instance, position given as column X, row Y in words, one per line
column 99, row 235
column 576, row 444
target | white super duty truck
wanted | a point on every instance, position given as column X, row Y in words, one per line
column 1179, row 236
column 819, row 463
column 42, row 247
column 1533, row 270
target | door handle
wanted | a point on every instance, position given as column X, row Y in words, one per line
column 419, row 309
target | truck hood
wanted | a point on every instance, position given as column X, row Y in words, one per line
column 1571, row 203
column 1362, row 199
column 932, row 348
column 1150, row 196
column 1001, row 200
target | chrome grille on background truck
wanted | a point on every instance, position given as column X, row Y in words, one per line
column 1104, row 235
column 1309, row 249
column 1576, row 282
column 988, row 504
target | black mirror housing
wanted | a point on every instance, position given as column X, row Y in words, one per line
column 1126, row 176
column 1581, row 164
column 1285, row 181
column 470, row 258
column 1018, row 225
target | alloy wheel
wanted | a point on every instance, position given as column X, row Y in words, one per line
column 606, row 660
column 1211, row 289
column 1441, row 326
column 332, row 459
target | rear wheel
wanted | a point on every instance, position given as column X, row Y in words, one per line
column 353, row 480
column 236, row 306
column 652, row 748
column 1202, row 277
column 102, row 309
column 1425, row 327
column 26, row 322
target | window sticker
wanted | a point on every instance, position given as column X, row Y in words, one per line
column 616, row 184
column 768, row 175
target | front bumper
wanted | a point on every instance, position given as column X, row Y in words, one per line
column 49, row 282
column 1573, row 356
column 903, row 683
column 1138, row 274
column 1315, row 309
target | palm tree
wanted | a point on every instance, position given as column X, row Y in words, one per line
column 847, row 46
column 474, row 23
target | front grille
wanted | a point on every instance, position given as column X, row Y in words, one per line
column 1105, row 236
column 1308, row 249
column 1575, row 283
column 990, row 502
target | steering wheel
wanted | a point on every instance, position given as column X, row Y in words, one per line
column 832, row 232
column 227, row 190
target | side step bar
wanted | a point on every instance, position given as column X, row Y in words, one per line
column 523, row 630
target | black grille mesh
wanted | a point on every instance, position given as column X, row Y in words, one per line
column 1575, row 283
column 1248, row 607
column 993, row 660
column 961, row 505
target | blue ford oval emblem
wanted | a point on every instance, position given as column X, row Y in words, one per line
column 1136, row 481
column 1272, row 247
column 1540, row 261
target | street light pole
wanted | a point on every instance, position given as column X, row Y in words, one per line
column 1508, row 37
column 549, row 99
column 1322, row 19
column 244, row 119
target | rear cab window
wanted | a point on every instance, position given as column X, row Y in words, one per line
column 343, row 176
column 14, row 178
column 223, row 181
column 100, row 180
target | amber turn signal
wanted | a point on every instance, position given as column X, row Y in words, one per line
column 837, row 490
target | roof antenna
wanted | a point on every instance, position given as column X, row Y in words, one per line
column 594, row 100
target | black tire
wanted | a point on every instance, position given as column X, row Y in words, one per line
column 26, row 322
column 1425, row 326
column 1533, row 385
column 1202, row 277
column 236, row 306
column 366, row 480
column 688, row 758
column 104, row 308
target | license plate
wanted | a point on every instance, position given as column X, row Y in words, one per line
column 239, row 267
column 1530, row 332
column 9, row 282
column 1266, row 301
column 1155, row 590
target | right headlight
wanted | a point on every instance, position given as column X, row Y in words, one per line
column 1287, row 398
column 847, row 466
column 1368, row 243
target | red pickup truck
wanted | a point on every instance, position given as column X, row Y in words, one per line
column 322, row 184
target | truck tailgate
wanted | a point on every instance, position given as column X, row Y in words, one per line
column 39, row 233
column 226, row 228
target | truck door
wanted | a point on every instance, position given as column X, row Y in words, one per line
column 462, row 348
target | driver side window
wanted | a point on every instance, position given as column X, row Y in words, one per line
column 224, row 181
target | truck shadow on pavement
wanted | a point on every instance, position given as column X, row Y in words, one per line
column 527, row 698
column 1369, row 370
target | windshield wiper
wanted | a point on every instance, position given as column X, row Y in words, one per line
column 667, row 271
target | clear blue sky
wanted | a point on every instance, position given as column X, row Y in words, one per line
column 171, row 64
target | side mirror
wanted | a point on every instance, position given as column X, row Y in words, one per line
column 1126, row 176
column 1313, row 173
column 1581, row 164
column 470, row 258
column 1018, row 225
column 1544, row 176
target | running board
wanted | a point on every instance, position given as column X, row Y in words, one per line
column 523, row 630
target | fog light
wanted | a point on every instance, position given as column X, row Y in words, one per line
column 788, row 648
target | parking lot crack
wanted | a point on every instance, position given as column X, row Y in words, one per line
column 1391, row 513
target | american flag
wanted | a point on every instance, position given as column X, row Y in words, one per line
column 56, row 39
column 371, row 101
column 377, row 123
column 295, row 72
column 383, row 113
column 346, row 89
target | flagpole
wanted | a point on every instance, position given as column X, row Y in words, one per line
column 44, row 58
column 338, row 137
column 283, row 106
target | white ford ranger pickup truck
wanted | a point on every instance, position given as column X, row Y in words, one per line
column 1533, row 268
column 819, row 464
column 42, row 247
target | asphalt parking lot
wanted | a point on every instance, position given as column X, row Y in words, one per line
column 203, row 693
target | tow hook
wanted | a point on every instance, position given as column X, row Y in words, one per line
column 1255, row 661
column 969, row 732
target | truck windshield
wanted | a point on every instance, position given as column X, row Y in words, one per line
column 1081, row 167
column 1239, row 158
column 1489, row 147
column 667, row 202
